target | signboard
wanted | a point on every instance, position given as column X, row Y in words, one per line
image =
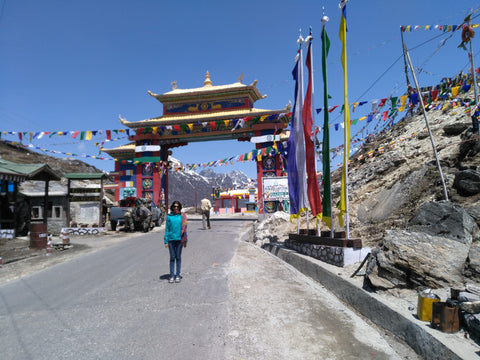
column 264, row 138
column 85, row 198
column 275, row 188
column 144, row 148
column 85, row 190
column 128, row 192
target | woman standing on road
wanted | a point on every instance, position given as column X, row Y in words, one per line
column 175, row 239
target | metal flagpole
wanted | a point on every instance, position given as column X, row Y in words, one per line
column 405, row 60
column 420, row 98
column 475, row 87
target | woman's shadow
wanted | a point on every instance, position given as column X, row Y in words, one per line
column 167, row 277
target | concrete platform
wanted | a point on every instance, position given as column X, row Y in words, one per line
column 395, row 314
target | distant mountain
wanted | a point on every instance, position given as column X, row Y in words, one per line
column 189, row 187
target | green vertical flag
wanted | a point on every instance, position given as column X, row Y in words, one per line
column 327, row 197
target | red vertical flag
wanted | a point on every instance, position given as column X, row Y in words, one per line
column 312, row 183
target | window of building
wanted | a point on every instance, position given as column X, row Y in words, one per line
column 37, row 212
column 49, row 209
column 57, row 212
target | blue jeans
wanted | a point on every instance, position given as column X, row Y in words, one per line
column 175, row 248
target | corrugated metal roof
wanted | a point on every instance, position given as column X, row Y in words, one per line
column 29, row 171
column 86, row 176
column 15, row 168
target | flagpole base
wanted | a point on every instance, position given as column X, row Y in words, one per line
column 336, row 251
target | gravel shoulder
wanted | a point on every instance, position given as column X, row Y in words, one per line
column 276, row 312
column 18, row 260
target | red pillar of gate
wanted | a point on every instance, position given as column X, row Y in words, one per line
column 259, row 182
column 156, row 179
column 117, row 180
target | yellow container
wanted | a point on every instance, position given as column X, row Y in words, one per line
column 424, row 306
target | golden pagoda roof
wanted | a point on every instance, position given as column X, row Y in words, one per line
column 207, row 103
column 173, row 119
column 127, row 149
column 206, row 88
column 209, row 89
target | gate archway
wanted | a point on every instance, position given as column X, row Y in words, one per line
column 211, row 112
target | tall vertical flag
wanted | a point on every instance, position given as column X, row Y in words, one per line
column 297, row 179
column 343, row 205
column 312, row 182
column 327, row 193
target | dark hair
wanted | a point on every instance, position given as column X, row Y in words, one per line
column 176, row 203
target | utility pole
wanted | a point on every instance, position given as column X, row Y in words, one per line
column 475, row 87
column 196, row 196
column 426, row 121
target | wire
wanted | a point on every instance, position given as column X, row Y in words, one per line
column 378, row 79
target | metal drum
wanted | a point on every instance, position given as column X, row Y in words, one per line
column 38, row 236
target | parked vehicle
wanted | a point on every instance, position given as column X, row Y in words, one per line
column 117, row 213
column 157, row 217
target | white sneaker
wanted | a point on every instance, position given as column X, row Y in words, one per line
column 177, row 279
column 172, row 280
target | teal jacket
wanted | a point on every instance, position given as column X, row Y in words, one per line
column 175, row 228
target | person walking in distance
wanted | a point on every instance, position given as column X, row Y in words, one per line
column 205, row 205
column 175, row 239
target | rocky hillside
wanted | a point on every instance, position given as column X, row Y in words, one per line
column 397, row 203
column 24, row 155
column 387, row 189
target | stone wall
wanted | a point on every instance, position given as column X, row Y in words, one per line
column 83, row 230
column 8, row 234
column 338, row 256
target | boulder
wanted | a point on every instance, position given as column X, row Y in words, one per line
column 472, row 267
column 469, row 145
column 445, row 219
column 455, row 128
column 381, row 206
column 408, row 259
column 467, row 182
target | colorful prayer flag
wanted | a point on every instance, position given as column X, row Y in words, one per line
column 313, row 192
column 297, row 179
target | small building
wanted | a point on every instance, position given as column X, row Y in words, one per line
column 233, row 201
column 14, row 216
column 85, row 201
column 56, row 210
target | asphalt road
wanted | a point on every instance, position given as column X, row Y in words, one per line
column 235, row 301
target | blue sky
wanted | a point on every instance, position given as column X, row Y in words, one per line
column 76, row 65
